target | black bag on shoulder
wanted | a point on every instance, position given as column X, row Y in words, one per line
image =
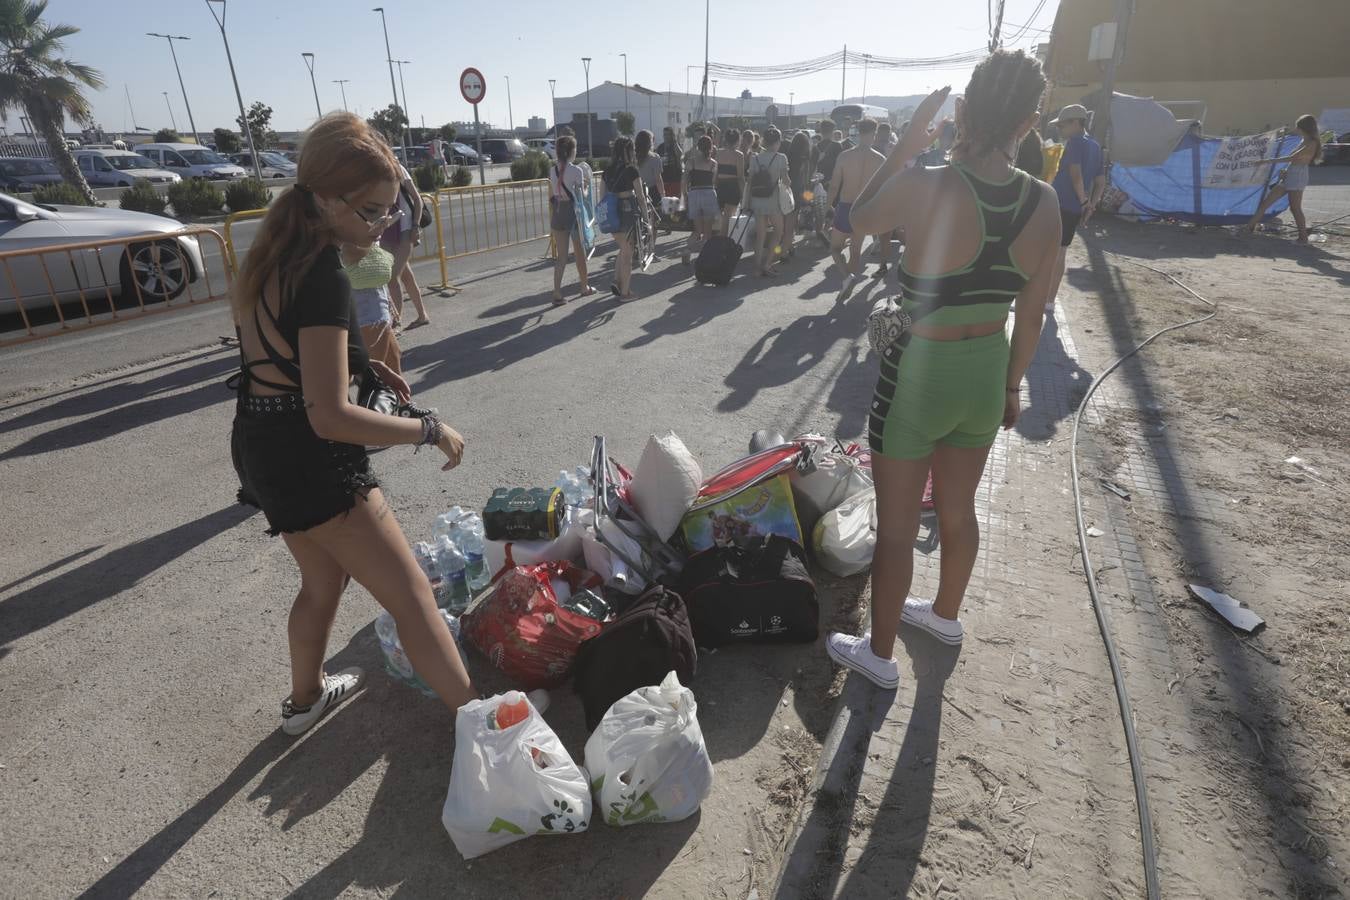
column 758, row 592
column 762, row 184
column 639, row 648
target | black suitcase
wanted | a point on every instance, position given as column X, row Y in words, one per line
column 716, row 262
column 759, row 592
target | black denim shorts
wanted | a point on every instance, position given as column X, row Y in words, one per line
column 298, row 479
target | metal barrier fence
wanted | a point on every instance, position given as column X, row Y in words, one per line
column 480, row 218
column 112, row 280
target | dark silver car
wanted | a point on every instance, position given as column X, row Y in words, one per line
column 21, row 174
column 121, row 168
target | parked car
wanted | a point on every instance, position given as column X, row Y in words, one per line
column 292, row 155
column 543, row 145
column 412, row 157
column 191, row 161
column 464, row 155
column 120, row 168
column 503, row 150
column 273, row 165
column 162, row 264
column 21, row 174
column 1337, row 153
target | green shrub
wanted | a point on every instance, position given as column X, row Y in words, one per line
column 533, row 165
column 60, row 194
column 247, row 193
column 195, row 198
column 142, row 197
column 429, row 177
column 462, row 177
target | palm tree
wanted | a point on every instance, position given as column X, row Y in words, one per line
column 34, row 77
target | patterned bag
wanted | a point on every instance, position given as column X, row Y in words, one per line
column 520, row 626
column 886, row 323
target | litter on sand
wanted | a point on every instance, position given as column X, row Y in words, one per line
column 1234, row 611
column 1094, row 531
column 1116, row 489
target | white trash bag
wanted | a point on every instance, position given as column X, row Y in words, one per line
column 512, row 782
column 837, row 478
column 647, row 757
column 846, row 537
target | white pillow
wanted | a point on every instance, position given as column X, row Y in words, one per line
column 665, row 484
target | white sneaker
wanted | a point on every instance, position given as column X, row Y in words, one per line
column 856, row 653
column 539, row 699
column 919, row 613
column 335, row 689
column 850, row 282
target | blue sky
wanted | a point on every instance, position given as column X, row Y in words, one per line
column 529, row 41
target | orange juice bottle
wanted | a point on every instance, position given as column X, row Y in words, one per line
column 509, row 714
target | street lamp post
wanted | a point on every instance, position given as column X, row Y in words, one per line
column 407, row 115
column 590, row 131
column 342, row 83
column 553, row 103
column 309, row 63
column 171, row 38
column 867, row 57
column 510, row 115
column 172, row 120
column 625, row 81
column 714, row 115
column 792, row 107
column 243, row 116
column 389, row 58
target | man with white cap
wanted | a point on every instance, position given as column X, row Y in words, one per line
column 1080, row 182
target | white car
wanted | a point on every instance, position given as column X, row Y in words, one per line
column 191, row 161
column 120, row 168
column 161, row 264
column 543, row 145
column 273, row 164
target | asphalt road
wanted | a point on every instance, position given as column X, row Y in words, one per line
column 142, row 611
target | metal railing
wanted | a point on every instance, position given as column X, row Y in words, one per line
column 481, row 218
column 148, row 273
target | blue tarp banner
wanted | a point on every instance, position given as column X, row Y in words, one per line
column 1177, row 188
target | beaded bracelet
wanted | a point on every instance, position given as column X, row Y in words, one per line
column 431, row 432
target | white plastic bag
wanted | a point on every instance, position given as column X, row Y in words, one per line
column 608, row 565
column 837, row 478
column 647, row 757
column 509, row 783
column 846, row 537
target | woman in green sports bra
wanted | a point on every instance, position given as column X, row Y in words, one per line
column 979, row 235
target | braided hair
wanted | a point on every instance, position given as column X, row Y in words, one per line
column 1004, row 90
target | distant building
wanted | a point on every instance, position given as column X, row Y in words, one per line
column 654, row 110
column 1245, row 67
column 537, row 123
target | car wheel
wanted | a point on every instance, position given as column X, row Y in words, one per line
column 160, row 269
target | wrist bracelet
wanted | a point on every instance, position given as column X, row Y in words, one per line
column 431, row 432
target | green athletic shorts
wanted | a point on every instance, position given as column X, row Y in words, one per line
column 939, row 392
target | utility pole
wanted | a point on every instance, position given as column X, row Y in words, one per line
column 714, row 114
column 389, row 58
column 342, row 83
column 171, row 38
column 243, row 116
column 553, row 104
column 867, row 57
column 590, row 132
column 407, row 140
column 625, row 81
column 792, row 107
column 510, row 114
column 707, row 20
column 172, row 120
column 1124, row 10
column 309, row 63
column 843, row 78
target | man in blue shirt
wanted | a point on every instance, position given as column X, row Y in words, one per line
column 1080, row 182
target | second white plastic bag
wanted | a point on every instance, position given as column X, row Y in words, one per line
column 512, row 778
column 845, row 538
column 647, row 759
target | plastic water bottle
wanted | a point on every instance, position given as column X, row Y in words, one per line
column 425, row 554
column 472, row 545
column 446, row 523
column 575, row 485
column 455, row 596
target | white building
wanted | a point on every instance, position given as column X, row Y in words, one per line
column 654, row 110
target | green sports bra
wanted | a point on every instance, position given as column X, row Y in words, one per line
column 374, row 270
column 983, row 289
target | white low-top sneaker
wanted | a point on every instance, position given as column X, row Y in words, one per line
column 856, row 653
column 539, row 699
column 335, row 689
column 919, row 613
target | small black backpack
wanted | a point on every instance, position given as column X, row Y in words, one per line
column 762, row 183
column 637, row 649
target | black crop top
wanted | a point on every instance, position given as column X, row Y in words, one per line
column 323, row 297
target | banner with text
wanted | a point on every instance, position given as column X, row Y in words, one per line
column 1238, row 162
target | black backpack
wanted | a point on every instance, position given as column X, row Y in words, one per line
column 762, row 183
column 637, row 649
column 757, row 592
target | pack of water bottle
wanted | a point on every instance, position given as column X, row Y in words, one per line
column 453, row 559
column 576, row 486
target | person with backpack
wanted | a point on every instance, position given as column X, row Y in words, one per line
column 650, row 167
column 768, row 180
column 672, row 162
column 566, row 182
column 730, row 176
column 799, row 162
column 700, row 195
column 623, row 182
column 399, row 239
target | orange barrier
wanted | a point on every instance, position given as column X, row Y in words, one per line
column 160, row 272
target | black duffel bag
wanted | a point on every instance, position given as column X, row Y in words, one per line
column 644, row 643
column 757, row 592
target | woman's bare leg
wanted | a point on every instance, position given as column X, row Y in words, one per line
column 1275, row 194
column 322, row 581
column 560, row 247
column 956, row 477
column 899, row 486
column 1301, row 220
column 623, row 276
column 409, row 281
column 374, row 551
column 579, row 251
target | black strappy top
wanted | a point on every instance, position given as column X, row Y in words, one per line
column 323, row 297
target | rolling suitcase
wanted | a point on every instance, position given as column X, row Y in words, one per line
column 716, row 262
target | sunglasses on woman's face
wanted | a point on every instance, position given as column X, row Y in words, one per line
column 379, row 224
